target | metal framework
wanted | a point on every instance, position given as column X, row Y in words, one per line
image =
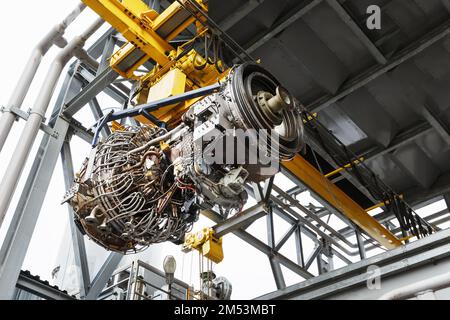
column 130, row 281
column 425, row 258
column 38, row 288
column 83, row 84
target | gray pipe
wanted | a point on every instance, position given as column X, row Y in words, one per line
column 54, row 37
column 25, row 143
column 433, row 284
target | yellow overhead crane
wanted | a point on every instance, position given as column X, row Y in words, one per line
column 180, row 70
column 149, row 34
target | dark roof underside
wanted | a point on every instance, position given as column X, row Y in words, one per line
column 384, row 93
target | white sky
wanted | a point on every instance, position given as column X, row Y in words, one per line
column 22, row 25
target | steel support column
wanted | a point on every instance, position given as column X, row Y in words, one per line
column 286, row 237
column 103, row 80
column 314, row 254
column 77, row 238
column 261, row 246
column 108, row 51
column 98, row 114
column 20, row 231
column 299, row 246
column 361, row 247
column 238, row 221
column 274, row 265
column 102, row 277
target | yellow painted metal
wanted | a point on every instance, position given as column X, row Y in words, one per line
column 310, row 117
column 171, row 13
column 378, row 205
column 116, row 126
column 171, row 84
column 187, row 64
column 205, row 242
column 315, row 181
column 142, row 27
column 194, row 79
column 200, row 78
column 127, row 60
column 407, row 238
column 335, row 172
column 135, row 7
column 381, row 204
column 167, row 15
column 126, row 17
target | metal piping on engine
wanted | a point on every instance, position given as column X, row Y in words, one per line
column 144, row 185
column 37, row 115
column 159, row 139
column 54, row 37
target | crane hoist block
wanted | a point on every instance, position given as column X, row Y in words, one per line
column 206, row 243
column 171, row 84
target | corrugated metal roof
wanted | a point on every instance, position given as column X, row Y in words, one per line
column 316, row 54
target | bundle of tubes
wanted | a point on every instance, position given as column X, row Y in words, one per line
column 131, row 198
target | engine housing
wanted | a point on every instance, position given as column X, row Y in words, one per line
column 146, row 185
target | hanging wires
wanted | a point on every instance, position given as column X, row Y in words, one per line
column 408, row 219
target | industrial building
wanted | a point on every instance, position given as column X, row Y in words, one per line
column 222, row 150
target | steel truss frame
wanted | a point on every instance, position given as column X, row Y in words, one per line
column 430, row 255
column 80, row 89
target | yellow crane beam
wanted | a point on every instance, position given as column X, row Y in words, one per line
column 337, row 198
column 127, row 18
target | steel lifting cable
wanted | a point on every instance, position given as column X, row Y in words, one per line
column 229, row 41
column 338, row 202
column 384, row 193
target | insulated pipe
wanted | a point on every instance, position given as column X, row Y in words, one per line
column 434, row 284
column 37, row 115
column 54, row 37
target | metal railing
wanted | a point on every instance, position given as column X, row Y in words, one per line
column 141, row 281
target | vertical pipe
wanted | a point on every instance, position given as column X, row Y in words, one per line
column 16, row 100
column 360, row 241
column 274, row 265
column 23, row 148
column 19, row 232
column 299, row 246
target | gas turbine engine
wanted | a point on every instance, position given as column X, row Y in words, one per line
column 146, row 185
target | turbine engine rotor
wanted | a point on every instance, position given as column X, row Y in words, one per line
column 144, row 185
